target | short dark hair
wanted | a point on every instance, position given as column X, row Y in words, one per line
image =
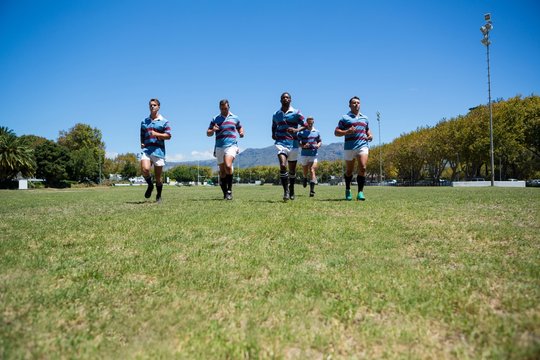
column 224, row 102
column 287, row 94
column 156, row 100
column 353, row 98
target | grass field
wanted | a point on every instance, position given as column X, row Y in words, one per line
column 427, row 273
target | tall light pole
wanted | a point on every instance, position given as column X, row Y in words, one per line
column 485, row 31
column 380, row 148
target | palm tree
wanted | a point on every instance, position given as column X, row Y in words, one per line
column 15, row 157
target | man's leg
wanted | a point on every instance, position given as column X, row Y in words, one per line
column 305, row 169
column 145, row 169
column 283, row 175
column 292, row 178
column 313, row 181
column 229, row 175
column 361, row 177
column 223, row 179
column 349, row 168
column 159, row 183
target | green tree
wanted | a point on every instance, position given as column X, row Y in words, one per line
column 87, row 151
column 52, row 161
column 187, row 173
column 15, row 156
column 83, row 165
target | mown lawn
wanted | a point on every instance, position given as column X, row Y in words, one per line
column 427, row 273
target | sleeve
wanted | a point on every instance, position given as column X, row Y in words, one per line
column 300, row 119
column 212, row 123
column 342, row 125
column 238, row 124
column 274, row 127
column 167, row 127
column 142, row 133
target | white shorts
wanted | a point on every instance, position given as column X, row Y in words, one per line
column 157, row 161
column 292, row 154
column 305, row 160
column 221, row 152
column 354, row 153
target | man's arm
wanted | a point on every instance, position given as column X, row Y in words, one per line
column 212, row 129
column 369, row 135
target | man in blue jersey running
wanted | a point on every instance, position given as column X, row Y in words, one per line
column 225, row 126
column 310, row 142
column 355, row 127
column 155, row 129
column 286, row 123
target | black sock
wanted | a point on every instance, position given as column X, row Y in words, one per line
column 292, row 180
column 223, row 184
column 284, row 176
column 148, row 179
column 159, row 187
column 229, row 178
column 348, row 180
column 361, row 181
column 312, row 186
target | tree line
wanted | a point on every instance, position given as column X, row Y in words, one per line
column 459, row 148
column 453, row 149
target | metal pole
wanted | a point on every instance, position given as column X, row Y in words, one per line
column 490, row 120
column 380, row 148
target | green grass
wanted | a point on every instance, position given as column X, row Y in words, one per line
column 425, row 273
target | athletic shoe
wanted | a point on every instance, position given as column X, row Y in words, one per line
column 311, row 193
column 228, row 196
column 292, row 197
column 149, row 190
column 360, row 196
column 286, row 196
column 158, row 199
column 305, row 182
column 348, row 196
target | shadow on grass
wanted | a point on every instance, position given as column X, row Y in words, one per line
column 204, row 200
column 333, row 200
column 142, row 202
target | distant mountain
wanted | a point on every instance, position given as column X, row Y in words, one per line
column 266, row 156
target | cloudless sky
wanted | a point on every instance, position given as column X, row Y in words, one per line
column 98, row 62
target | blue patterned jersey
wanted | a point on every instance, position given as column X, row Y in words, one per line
column 152, row 145
column 310, row 137
column 281, row 122
column 228, row 127
column 361, row 125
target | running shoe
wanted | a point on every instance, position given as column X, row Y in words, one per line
column 286, row 196
column 149, row 190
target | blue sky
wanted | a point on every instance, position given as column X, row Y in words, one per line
column 99, row 62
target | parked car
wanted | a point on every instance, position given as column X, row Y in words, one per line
column 533, row 183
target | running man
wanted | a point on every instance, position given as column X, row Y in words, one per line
column 155, row 129
column 225, row 125
column 286, row 123
column 355, row 127
column 310, row 142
